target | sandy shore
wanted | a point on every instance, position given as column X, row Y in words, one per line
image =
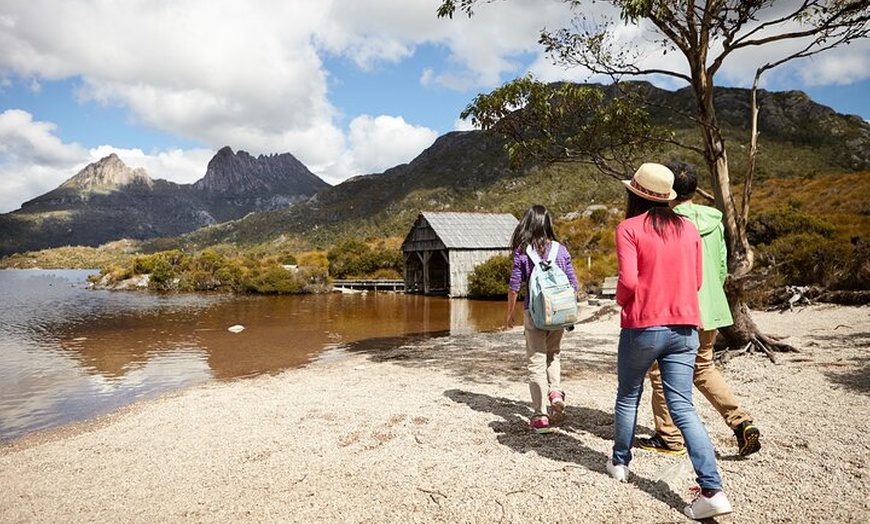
column 436, row 431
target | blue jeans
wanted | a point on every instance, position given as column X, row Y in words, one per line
column 674, row 348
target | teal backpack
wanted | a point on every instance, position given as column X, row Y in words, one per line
column 552, row 300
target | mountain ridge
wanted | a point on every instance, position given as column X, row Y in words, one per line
column 461, row 170
column 107, row 200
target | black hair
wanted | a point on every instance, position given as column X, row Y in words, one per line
column 685, row 179
column 658, row 214
column 535, row 229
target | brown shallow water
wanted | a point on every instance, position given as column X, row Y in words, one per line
column 68, row 354
column 279, row 332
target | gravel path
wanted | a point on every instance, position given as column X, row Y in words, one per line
column 436, row 432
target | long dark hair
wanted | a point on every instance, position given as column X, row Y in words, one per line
column 535, row 229
column 659, row 215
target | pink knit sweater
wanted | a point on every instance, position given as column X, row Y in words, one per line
column 659, row 278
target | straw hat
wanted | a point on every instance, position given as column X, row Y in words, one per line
column 653, row 182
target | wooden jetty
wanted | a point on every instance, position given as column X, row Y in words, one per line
column 397, row 286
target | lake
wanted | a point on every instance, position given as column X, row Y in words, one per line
column 69, row 353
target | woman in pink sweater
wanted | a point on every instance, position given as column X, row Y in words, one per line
column 660, row 273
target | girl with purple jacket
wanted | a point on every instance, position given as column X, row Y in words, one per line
column 542, row 346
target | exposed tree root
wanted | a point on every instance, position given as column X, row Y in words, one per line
column 760, row 345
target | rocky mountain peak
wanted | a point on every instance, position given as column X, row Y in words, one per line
column 230, row 173
column 107, row 174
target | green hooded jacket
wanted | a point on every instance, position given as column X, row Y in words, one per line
column 715, row 312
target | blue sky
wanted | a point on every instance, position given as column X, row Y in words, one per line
column 349, row 87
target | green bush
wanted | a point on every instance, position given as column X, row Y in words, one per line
column 767, row 226
column 590, row 277
column 231, row 276
column 314, row 279
column 805, row 259
column 355, row 259
column 599, row 217
column 489, row 280
column 274, row 280
column 142, row 265
column 162, row 275
column 198, row 280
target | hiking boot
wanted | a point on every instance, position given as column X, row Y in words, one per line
column 704, row 507
column 540, row 424
column 557, row 401
column 747, row 438
column 657, row 443
column 618, row 471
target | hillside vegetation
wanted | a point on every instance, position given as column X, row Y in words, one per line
column 816, row 230
column 810, row 201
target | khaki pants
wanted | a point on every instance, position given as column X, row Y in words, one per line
column 542, row 361
column 709, row 381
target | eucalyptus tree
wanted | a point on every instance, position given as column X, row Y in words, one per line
column 613, row 132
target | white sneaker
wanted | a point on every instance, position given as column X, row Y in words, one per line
column 708, row 507
column 617, row 471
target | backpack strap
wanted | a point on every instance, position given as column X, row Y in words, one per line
column 554, row 252
column 551, row 256
column 536, row 259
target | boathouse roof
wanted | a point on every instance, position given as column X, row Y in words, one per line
column 468, row 230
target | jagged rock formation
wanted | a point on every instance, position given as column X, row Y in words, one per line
column 237, row 183
column 241, row 173
column 108, row 200
column 107, row 175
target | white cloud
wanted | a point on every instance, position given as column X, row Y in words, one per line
column 844, row 65
column 848, row 65
column 377, row 143
column 23, row 138
column 463, row 125
column 179, row 166
column 32, row 158
column 251, row 75
column 495, row 44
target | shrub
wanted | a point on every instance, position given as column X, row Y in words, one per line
column 489, row 279
column 599, row 217
column 386, row 274
column 162, row 275
column 591, row 275
column 273, row 280
column 231, row 276
column 805, row 259
column 354, row 259
column 767, row 226
column 313, row 259
column 314, row 279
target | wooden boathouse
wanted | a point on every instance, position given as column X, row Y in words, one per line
column 444, row 246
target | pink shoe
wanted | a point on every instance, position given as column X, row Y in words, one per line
column 557, row 402
column 540, row 424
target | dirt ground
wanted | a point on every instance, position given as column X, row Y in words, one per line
column 436, row 432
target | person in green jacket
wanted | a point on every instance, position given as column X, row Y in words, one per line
column 715, row 313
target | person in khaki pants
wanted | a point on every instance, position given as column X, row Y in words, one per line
column 715, row 313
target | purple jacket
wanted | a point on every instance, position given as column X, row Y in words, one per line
column 523, row 265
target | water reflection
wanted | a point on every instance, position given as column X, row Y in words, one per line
column 69, row 354
column 280, row 332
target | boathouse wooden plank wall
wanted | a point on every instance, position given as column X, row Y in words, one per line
column 443, row 247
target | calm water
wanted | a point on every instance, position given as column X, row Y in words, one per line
column 69, row 353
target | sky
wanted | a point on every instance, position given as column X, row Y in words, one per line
column 348, row 87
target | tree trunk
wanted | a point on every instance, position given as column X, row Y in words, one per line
column 743, row 333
